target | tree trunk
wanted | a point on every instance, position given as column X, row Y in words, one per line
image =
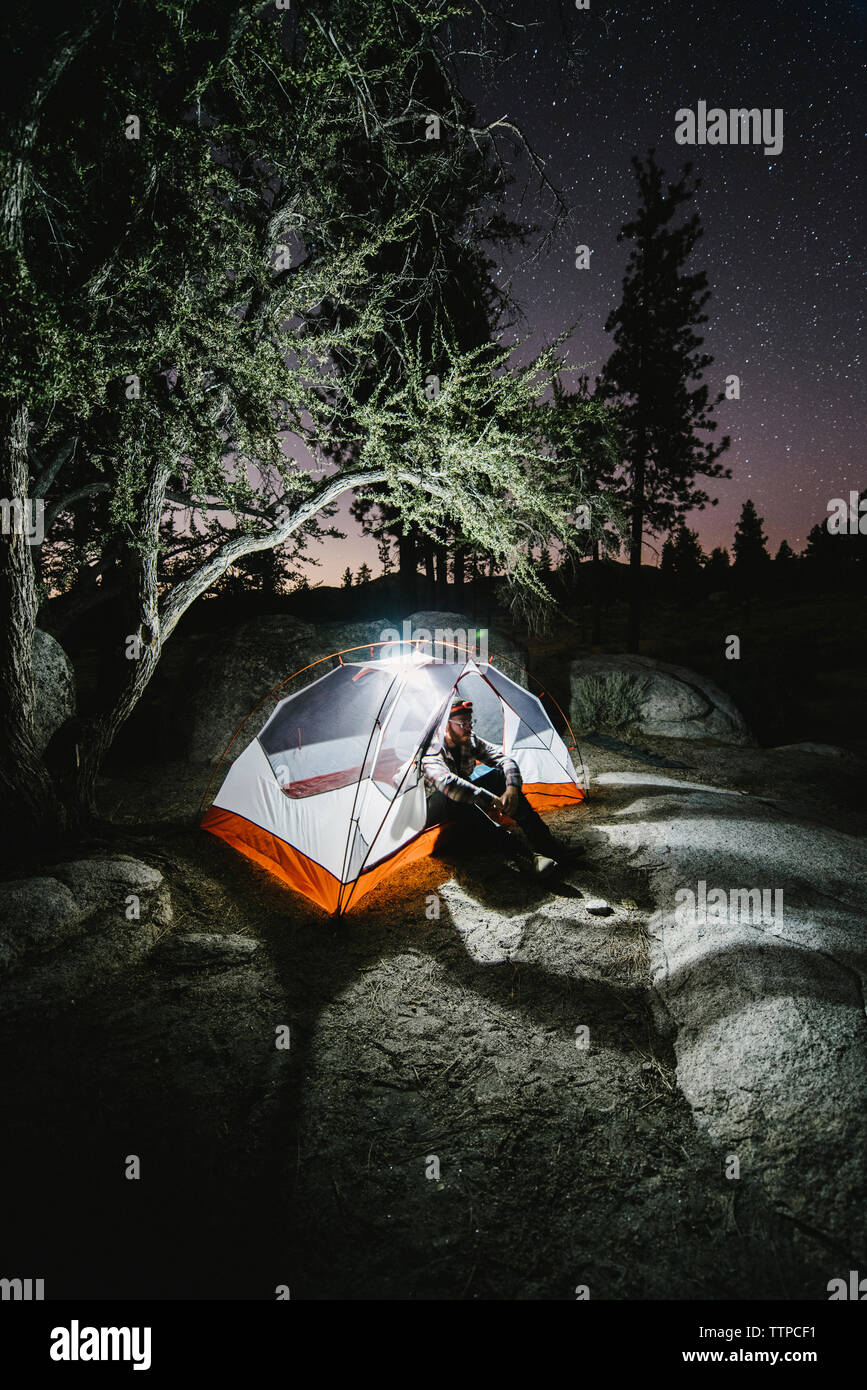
column 458, row 569
column 429, row 573
column 98, row 734
column 135, row 655
column 407, row 547
column 633, row 633
column 32, row 814
column 596, row 623
column 489, row 591
column 442, row 580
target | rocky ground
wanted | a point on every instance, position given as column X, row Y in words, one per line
column 437, row 1127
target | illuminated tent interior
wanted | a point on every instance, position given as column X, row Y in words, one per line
column 330, row 795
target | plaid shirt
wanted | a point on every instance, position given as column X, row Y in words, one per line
column 449, row 769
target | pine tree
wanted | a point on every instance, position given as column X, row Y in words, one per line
column 838, row 556
column 820, row 545
column 654, row 360
column 364, row 575
column 784, row 554
column 683, row 560
column 667, row 566
column 718, row 569
column 346, row 580
column 752, row 561
column 585, row 432
column 751, row 543
column 689, row 558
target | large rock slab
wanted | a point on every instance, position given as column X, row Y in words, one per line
column 55, row 687
column 62, row 932
column 819, row 750
column 237, row 672
column 36, row 914
column 346, row 637
column 769, row 1005
column 676, row 702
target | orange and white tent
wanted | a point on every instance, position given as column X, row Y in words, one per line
column 330, row 795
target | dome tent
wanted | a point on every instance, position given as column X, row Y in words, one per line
column 330, row 795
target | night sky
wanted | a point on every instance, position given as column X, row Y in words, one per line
column 780, row 245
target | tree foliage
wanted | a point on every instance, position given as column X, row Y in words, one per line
column 683, row 559
column 750, row 543
column 656, row 360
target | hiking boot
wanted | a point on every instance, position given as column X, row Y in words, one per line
column 543, row 867
column 530, row 865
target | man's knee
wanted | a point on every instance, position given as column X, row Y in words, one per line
column 523, row 809
column 493, row 781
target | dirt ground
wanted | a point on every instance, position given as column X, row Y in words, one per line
column 435, row 1130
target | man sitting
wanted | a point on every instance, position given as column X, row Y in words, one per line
column 475, row 802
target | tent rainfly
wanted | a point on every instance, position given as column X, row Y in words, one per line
column 330, row 796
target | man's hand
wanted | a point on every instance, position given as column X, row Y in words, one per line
column 504, row 805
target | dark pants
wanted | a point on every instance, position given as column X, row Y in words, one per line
column 485, row 833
